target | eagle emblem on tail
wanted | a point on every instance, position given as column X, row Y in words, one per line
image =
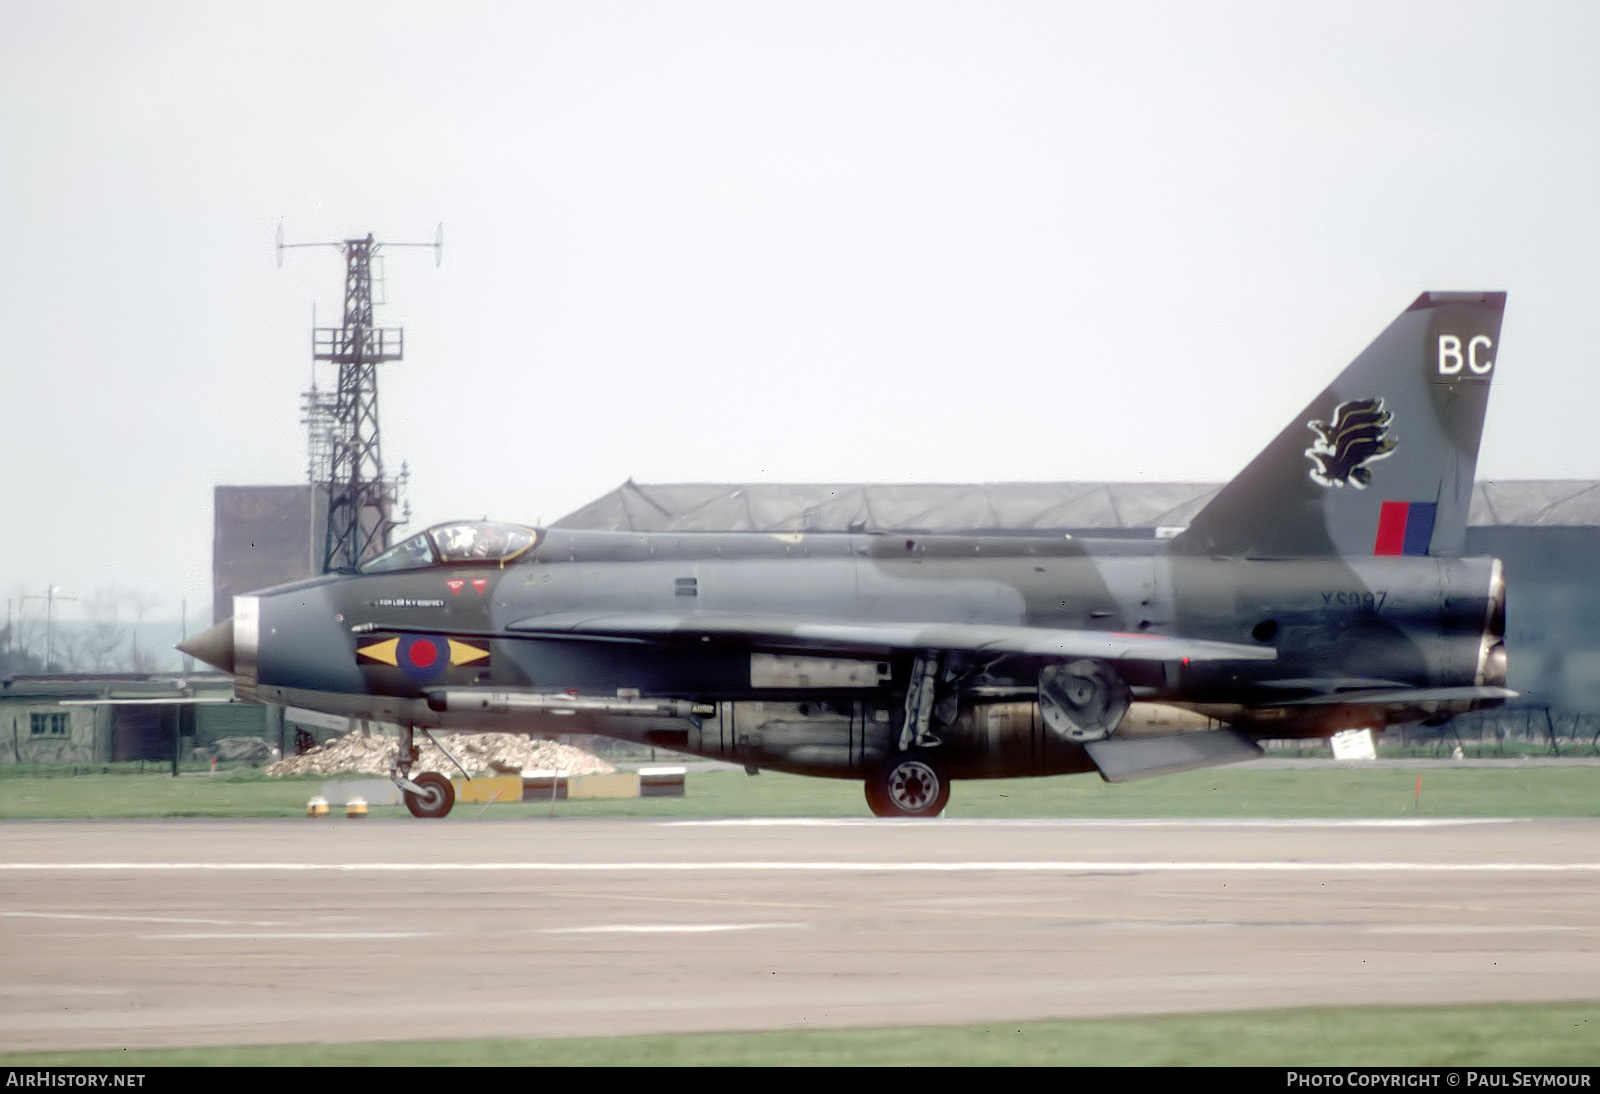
column 1355, row 435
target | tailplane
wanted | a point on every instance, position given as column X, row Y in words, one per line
column 1382, row 462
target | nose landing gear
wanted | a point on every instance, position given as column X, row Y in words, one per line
column 433, row 797
column 430, row 794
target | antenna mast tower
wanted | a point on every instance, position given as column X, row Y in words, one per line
column 346, row 459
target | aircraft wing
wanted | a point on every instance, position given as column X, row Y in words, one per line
column 151, row 701
column 1395, row 696
column 863, row 636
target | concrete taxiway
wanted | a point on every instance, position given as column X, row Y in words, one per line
column 217, row 932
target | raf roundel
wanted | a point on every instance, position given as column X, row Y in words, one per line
column 422, row 657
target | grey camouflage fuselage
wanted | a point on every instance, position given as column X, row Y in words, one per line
column 1416, row 623
column 1319, row 591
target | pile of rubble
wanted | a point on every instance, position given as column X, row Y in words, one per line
column 479, row 753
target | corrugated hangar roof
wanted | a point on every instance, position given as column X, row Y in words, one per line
column 996, row 506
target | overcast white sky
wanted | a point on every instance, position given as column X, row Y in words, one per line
column 734, row 241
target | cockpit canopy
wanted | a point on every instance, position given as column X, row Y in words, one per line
column 459, row 543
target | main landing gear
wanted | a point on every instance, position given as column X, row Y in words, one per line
column 909, row 785
column 912, row 782
column 430, row 794
column 1082, row 701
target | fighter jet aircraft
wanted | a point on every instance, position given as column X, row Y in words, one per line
column 1320, row 590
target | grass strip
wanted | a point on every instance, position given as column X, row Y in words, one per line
column 1500, row 1035
column 1332, row 792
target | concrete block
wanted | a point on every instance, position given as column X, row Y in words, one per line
column 620, row 784
column 661, row 782
column 489, row 788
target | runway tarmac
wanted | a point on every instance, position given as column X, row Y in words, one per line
column 128, row 934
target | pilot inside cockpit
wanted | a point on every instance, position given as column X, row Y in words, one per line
column 481, row 541
column 455, row 543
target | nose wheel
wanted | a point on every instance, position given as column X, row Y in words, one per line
column 908, row 786
column 430, row 794
column 433, row 797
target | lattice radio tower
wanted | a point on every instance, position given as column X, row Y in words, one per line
column 344, row 438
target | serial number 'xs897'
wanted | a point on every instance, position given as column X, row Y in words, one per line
column 1358, row 599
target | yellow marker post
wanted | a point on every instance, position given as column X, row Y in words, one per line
column 317, row 807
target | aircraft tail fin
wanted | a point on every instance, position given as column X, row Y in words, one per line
column 1383, row 461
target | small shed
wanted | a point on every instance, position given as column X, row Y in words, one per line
column 95, row 718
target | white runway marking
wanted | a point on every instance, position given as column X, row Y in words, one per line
column 23, row 991
column 285, row 936
column 1048, row 867
column 139, row 919
column 670, row 928
column 1089, row 822
column 1471, row 928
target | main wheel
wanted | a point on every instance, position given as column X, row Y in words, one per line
column 1083, row 701
column 910, row 786
column 436, row 798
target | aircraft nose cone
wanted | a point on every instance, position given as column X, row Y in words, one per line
column 213, row 646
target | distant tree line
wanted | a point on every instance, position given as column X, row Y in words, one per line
column 105, row 637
